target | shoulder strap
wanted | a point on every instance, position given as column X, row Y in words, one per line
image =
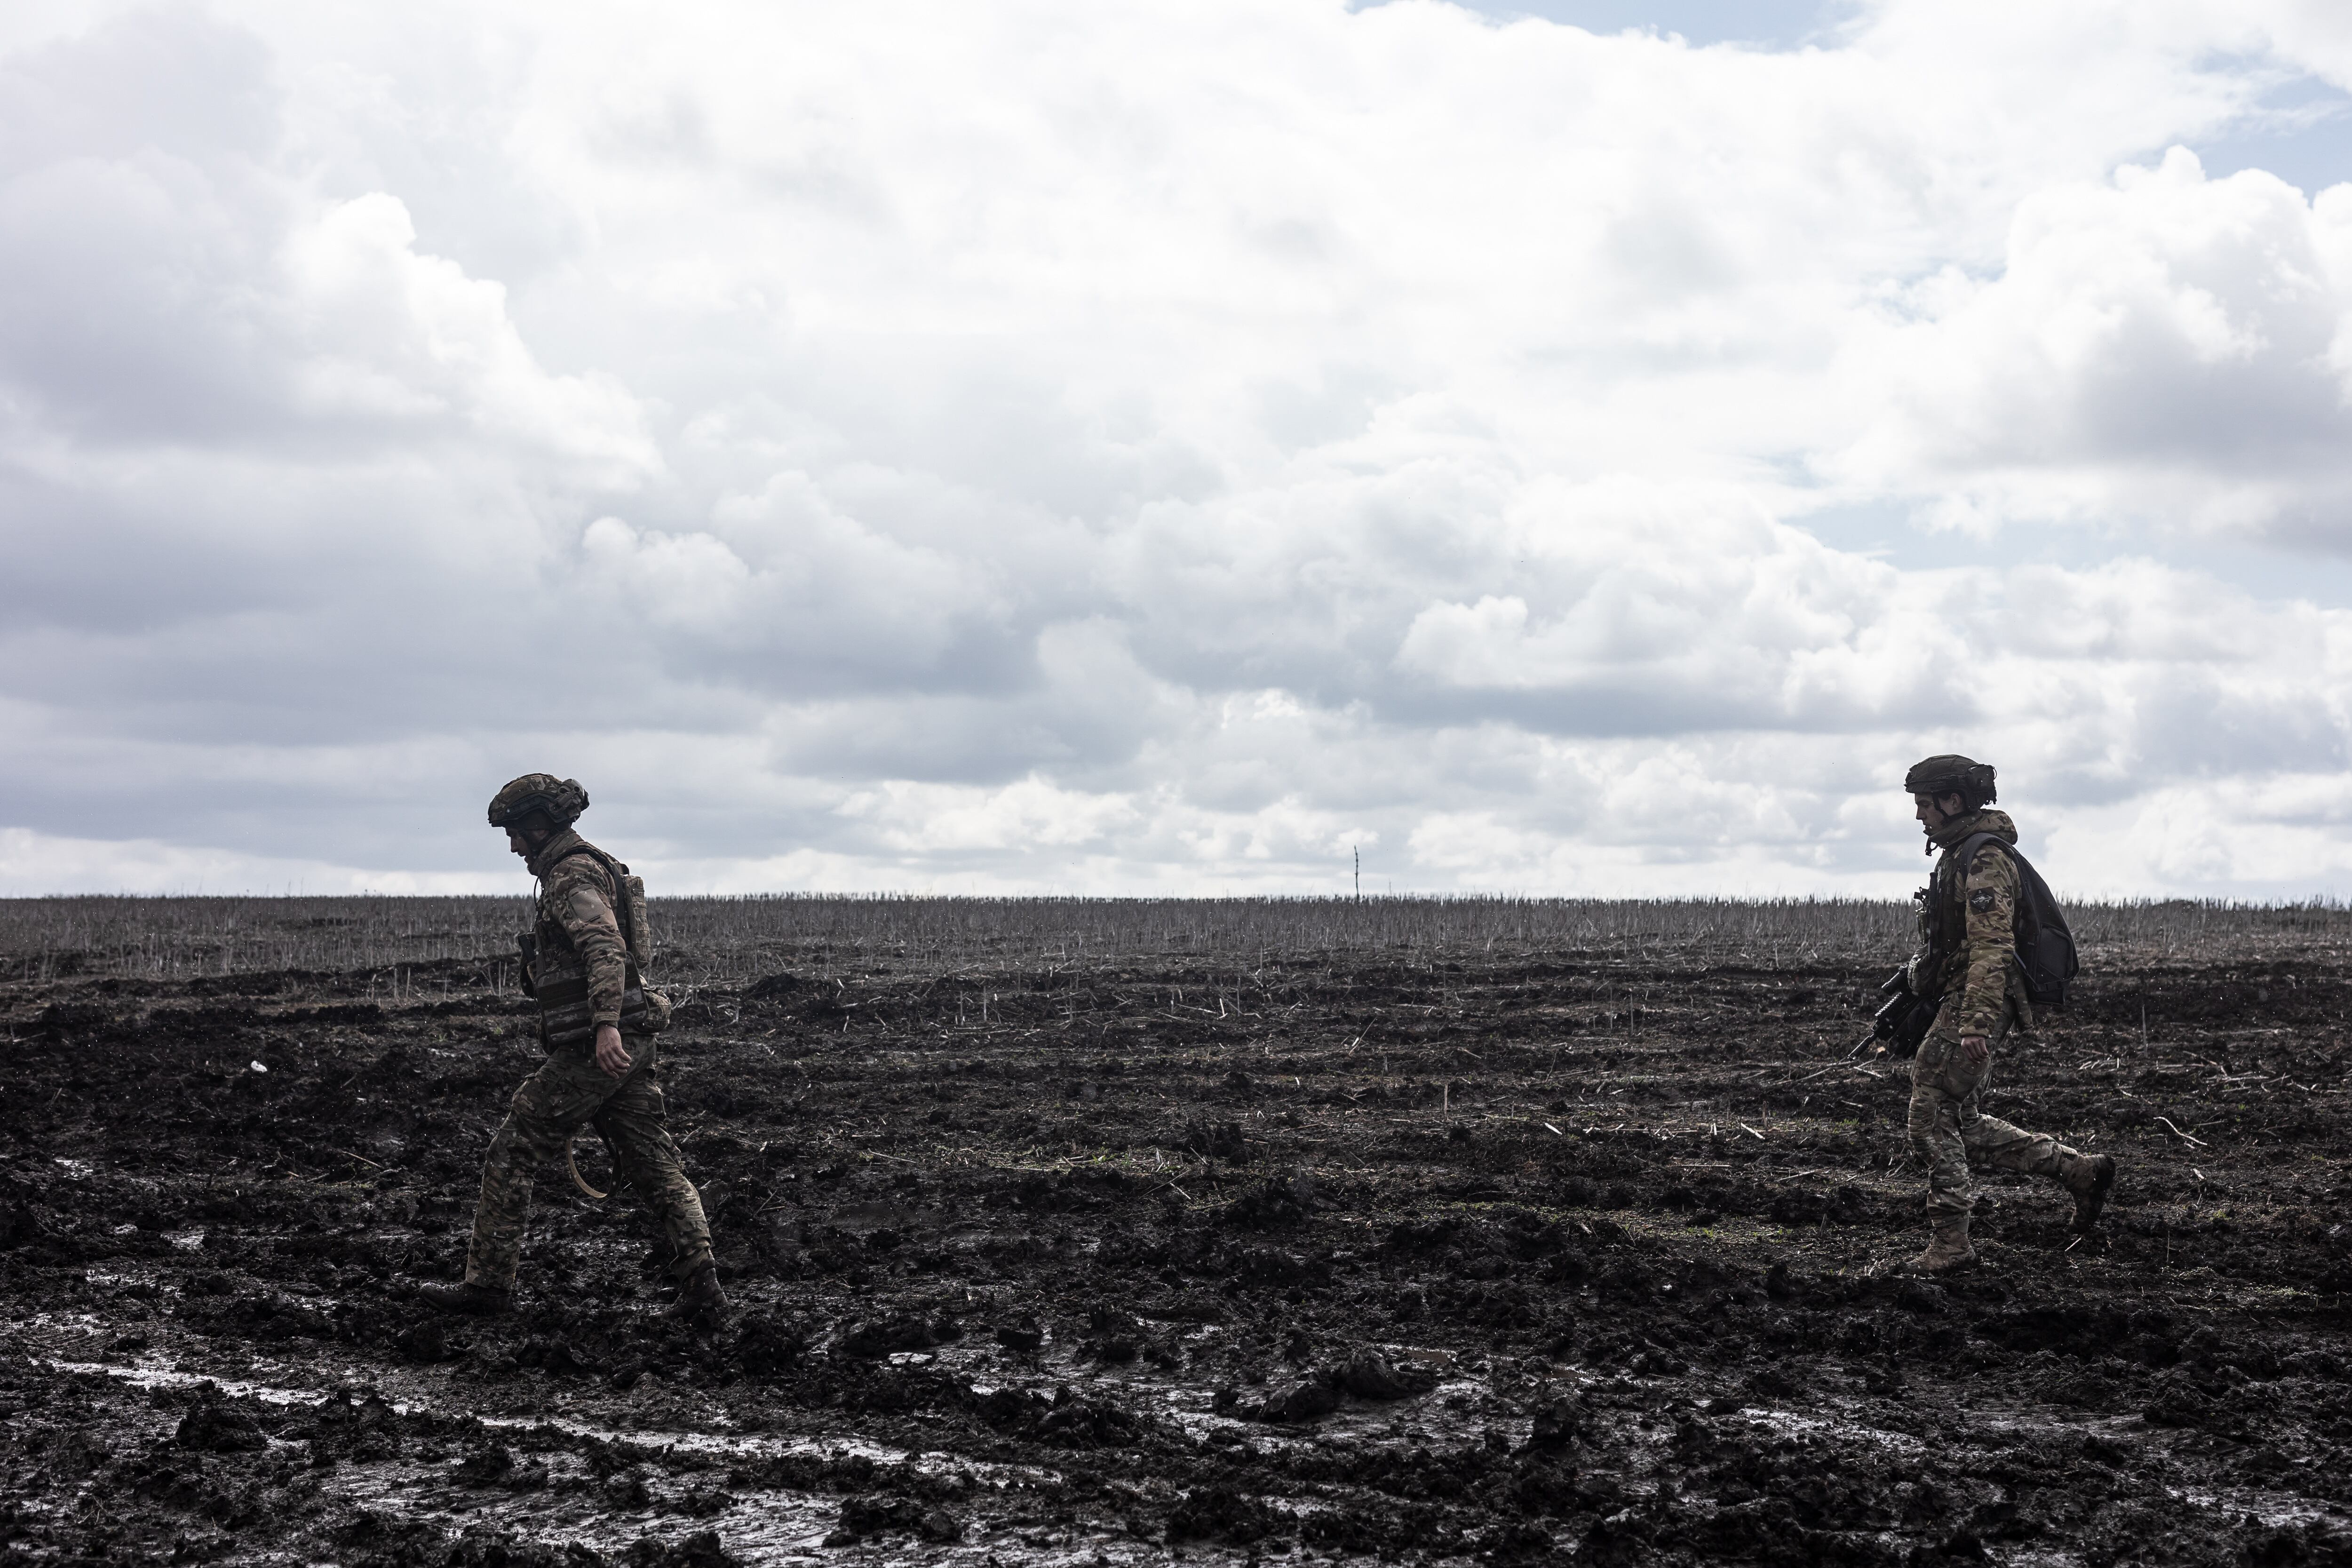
column 1976, row 841
column 1945, row 940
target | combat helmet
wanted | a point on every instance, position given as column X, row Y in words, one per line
column 1947, row 774
column 560, row 801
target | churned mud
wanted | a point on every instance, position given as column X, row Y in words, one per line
column 1349, row 1256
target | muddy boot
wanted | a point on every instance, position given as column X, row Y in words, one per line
column 1947, row 1250
column 2090, row 1178
column 479, row 1300
column 699, row 1298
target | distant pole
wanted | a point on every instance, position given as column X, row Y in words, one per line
column 1360, row 871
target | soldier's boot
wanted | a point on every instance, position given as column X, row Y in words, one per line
column 1947, row 1247
column 2090, row 1178
column 699, row 1298
column 480, row 1300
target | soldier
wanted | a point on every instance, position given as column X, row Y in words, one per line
column 597, row 1024
column 1968, row 960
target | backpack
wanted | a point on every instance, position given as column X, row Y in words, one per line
column 2045, row 947
column 629, row 906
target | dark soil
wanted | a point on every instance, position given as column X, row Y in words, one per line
column 1345, row 1258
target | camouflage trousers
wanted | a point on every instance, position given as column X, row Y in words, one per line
column 569, row 1092
column 1948, row 1128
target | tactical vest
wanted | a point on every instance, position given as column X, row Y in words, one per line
column 1941, row 911
column 560, row 975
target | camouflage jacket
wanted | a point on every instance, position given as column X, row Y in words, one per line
column 578, row 933
column 1973, row 908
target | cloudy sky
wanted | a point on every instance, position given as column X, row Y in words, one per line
column 1583, row 446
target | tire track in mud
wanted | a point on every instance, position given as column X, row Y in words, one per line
column 1483, row 1260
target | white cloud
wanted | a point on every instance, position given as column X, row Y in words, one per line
column 33, row 865
column 1160, row 445
column 392, row 336
column 2164, row 347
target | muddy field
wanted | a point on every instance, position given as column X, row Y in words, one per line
column 1425, row 1251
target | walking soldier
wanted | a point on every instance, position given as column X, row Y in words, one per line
column 1968, row 968
column 584, row 959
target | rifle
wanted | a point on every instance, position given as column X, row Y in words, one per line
column 527, row 943
column 1902, row 1020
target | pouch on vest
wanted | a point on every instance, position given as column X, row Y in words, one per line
column 566, row 1018
column 635, row 927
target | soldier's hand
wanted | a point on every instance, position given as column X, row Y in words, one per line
column 1977, row 1049
column 611, row 1055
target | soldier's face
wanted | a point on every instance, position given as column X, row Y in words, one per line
column 517, row 843
column 1932, row 812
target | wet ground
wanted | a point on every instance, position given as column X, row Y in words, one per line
column 1348, row 1256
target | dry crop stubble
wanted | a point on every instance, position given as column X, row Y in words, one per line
column 1471, row 1228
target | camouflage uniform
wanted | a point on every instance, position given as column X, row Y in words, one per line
column 1983, row 993
column 578, row 937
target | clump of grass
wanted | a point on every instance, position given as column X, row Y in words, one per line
column 2212, row 930
column 945, row 934
column 180, row 938
column 712, row 940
